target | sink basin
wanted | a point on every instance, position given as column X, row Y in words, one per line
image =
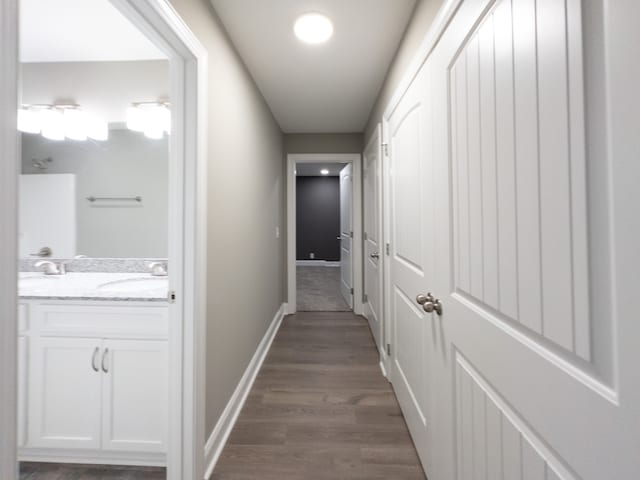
column 37, row 281
column 135, row 284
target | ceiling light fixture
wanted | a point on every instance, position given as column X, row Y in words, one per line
column 57, row 122
column 324, row 171
column 152, row 118
column 313, row 28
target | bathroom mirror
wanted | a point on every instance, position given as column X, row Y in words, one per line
column 88, row 197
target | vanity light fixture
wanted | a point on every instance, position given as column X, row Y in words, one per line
column 313, row 28
column 57, row 122
column 324, row 171
column 151, row 118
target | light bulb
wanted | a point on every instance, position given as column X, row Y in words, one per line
column 28, row 121
column 52, row 124
column 136, row 119
column 75, row 124
column 313, row 28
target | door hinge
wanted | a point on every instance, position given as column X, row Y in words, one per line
column 366, row 298
column 171, row 296
column 351, row 234
column 388, row 349
column 385, row 149
column 351, row 290
column 366, row 237
column 387, row 248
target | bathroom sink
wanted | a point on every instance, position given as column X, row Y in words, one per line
column 135, row 284
column 37, row 280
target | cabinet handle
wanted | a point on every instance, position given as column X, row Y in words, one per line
column 94, row 358
column 104, row 360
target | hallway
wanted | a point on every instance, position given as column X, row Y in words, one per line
column 320, row 409
column 319, row 290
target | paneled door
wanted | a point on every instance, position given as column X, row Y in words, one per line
column 535, row 152
column 411, row 259
column 135, row 395
column 346, row 233
column 372, row 238
column 64, row 393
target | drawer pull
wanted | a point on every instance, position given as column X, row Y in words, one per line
column 105, row 362
column 94, row 358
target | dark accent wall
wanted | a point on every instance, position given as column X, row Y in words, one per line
column 318, row 218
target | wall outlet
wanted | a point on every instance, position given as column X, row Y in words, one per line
column 312, row 256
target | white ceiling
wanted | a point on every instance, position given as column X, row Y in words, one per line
column 313, row 169
column 328, row 88
column 79, row 31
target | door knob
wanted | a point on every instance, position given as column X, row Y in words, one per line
column 375, row 255
column 422, row 299
column 433, row 306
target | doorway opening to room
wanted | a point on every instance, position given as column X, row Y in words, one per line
column 103, row 204
column 324, row 241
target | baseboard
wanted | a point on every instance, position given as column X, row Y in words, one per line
column 316, row 263
column 218, row 438
column 91, row 457
column 384, row 369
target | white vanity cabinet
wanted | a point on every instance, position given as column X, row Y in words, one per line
column 97, row 382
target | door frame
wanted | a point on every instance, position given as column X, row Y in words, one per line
column 187, row 230
column 355, row 159
column 375, row 141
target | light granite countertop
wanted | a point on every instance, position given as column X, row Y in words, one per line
column 93, row 286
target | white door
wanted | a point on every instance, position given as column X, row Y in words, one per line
column 346, row 234
column 411, row 260
column 22, row 389
column 135, row 395
column 373, row 253
column 537, row 241
column 64, row 393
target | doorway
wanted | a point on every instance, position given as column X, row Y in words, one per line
column 186, row 165
column 324, row 241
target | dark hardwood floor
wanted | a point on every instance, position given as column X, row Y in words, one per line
column 320, row 409
column 61, row 471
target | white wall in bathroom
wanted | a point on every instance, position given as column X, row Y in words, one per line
column 128, row 164
column 47, row 214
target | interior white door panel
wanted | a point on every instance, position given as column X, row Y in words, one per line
column 346, row 233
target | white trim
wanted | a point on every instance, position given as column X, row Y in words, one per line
column 383, row 369
column 376, row 142
column 356, row 160
column 316, row 263
column 92, row 457
column 9, row 168
column 440, row 23
column 218, row 438
column 187, row 241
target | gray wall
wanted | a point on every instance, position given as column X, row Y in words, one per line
column 246, row 204
column 318, row 218
column 323, row 143
column 423, row 16
column 128, row 164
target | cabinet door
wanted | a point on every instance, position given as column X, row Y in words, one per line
column 64, row 393
column 135, row 395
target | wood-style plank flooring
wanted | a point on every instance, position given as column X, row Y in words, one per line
column 320, row 409
column 61, row 471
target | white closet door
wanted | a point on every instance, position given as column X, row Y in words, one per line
column 537, row 243
column 346, row 234
column 411, row 259
column 373, row 252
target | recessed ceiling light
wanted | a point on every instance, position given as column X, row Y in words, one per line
column 324, row 171
column 313, row 28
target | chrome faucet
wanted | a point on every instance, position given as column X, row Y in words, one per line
column 51, row 268
column 158, row 269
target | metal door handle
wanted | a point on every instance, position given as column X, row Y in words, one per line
column 104, row 358
column 422, row 299
column 375, row 255
column 94, row 358
column 338, row 238
column 435, row 306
